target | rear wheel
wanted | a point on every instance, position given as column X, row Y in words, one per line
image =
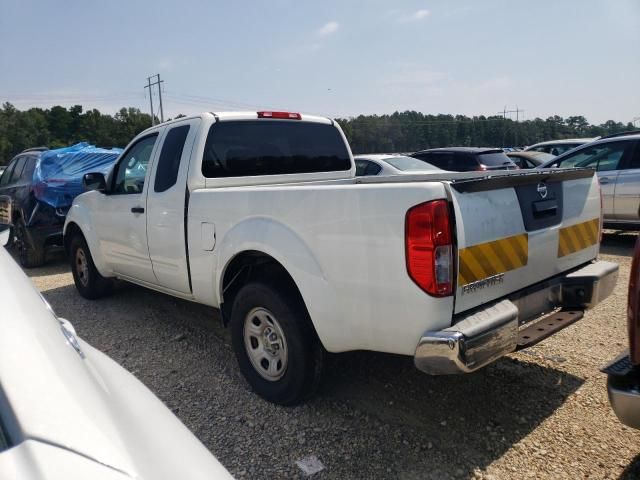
column 276, row 347
column 29, row 256
column 89, row 283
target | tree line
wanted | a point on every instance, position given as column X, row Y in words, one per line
column 59, row 127
column 410, row 131
column 399, row 132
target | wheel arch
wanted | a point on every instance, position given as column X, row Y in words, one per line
column 70, row 230
column 73, row 228
column 247, row 266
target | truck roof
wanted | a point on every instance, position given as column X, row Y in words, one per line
column 227, row 116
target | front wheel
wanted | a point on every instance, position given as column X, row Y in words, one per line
column 29, row 256
column 276, row 347
column 89, row 283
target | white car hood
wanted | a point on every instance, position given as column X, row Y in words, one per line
column 87, row 403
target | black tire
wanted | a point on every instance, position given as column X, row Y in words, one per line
column 89, row 283
column 305, row 355
column 28, row 256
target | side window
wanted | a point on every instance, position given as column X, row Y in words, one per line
column 361, row 167
column 169, row 161
column 635, row 161
column 29, row 167
column 373, row 169
column 17, row 170
column 132, row 169
column 603, row 156
column 466, row 163
column 6, row 175
column 365, row 168
column 436, row 159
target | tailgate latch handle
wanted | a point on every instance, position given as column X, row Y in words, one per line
column 545, row 208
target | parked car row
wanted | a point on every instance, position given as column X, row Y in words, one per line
column 616, row 158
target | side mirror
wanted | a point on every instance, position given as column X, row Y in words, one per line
column 94, row 181
column 5, row 211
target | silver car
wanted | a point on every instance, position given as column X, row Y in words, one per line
column 617, row 161
column 390, row 164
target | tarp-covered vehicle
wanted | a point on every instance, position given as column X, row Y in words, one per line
column 42, row 184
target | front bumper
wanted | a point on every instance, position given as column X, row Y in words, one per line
column 623, row 386
column 492, row 331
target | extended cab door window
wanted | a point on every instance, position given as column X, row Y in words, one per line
column 132, row 169
column 169, row 161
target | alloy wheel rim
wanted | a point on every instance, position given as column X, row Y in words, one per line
column 265, row 344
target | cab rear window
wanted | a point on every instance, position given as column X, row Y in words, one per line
column 273, row 147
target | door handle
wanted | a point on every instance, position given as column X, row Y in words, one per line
column 137, row 210
column 604, row 180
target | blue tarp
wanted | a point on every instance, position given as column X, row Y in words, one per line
column 57, row 178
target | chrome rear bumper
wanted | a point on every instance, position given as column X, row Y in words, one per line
column 481, row 337
column 623, row 386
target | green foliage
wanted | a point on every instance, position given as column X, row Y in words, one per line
column 399, row 132
column 410, row 131
column 59, row 127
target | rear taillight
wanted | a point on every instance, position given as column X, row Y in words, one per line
column 633, row 306
column 280, row 115
column 429, row 247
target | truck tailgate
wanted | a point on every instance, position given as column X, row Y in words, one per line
column 515, row 230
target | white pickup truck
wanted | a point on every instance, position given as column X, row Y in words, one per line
column 260, row 215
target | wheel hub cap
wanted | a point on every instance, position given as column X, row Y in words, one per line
column 82, row 267
column 265, row 344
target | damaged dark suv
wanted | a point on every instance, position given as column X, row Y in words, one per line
column 36, row 225
column 42, row 184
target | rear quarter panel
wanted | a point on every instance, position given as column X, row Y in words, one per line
column 342, row 244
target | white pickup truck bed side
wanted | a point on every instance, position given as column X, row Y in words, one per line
column 343, row 242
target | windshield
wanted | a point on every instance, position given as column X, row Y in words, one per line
column 410, row 164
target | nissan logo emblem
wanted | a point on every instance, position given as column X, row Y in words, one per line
column 542, row 190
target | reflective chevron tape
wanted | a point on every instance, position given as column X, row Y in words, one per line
column 492, row 258
column 578, row 237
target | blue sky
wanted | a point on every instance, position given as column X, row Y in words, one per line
column 335, row 58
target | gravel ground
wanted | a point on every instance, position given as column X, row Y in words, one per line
column 542, row 413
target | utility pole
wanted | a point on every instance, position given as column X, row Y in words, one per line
column 149, row 84
column 160, row 97
column 153, row 122
column 504, row 121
